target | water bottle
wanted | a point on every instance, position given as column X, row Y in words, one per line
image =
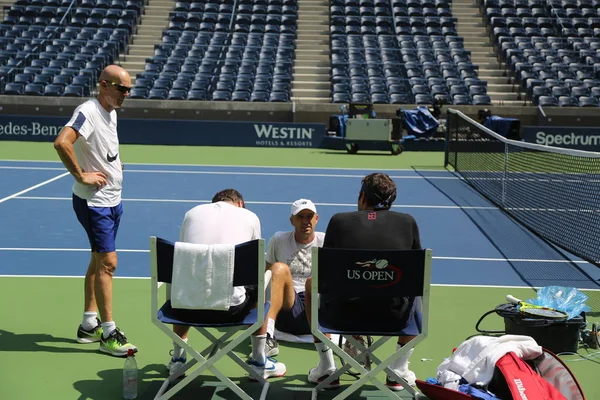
column 130, row 376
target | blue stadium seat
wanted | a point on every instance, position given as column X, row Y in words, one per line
column 54, row 90
column 139, row 92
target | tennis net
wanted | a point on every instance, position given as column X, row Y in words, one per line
column 554, row 192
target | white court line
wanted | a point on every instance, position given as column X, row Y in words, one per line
column 147, row 278
column 12, row 196
column 285, row 203
column 34, row 168
column 434, row 257
column 240, row 166
column 163, row 171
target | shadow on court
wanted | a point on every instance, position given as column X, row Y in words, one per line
column 537, row 262
column 289, row 387
column 38, row 342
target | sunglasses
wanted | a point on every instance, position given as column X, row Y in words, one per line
column 120, row 88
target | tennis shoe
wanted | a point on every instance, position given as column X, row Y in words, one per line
column 271, row 347
column 175, row 365
column 271, row 368
column 90, row 335
column 407, row 375
column 319, row 374
column 116, row 344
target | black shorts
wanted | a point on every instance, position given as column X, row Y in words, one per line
column 234, row 314
column 294, row 320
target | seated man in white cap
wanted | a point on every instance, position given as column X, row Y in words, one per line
column 290, row 251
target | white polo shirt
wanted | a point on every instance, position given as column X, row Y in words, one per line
column 97, row 149
column 283, row 248
column 221, row 223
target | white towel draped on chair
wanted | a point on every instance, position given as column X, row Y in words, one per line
column 202, row 276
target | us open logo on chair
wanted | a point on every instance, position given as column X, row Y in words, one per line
column 378, row 271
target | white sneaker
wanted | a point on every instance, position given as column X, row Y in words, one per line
column 271, row 368
column 318, row 374
column 407, row 374
column 175, row 365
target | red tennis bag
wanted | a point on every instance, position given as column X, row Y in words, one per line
column 544, row 378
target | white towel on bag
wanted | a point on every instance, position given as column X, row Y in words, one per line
column 202, row 276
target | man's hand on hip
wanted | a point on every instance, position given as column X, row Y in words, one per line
column 97, row 179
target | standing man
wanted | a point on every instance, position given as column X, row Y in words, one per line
column 374, row 227
column 88, row 146
column 291, row 250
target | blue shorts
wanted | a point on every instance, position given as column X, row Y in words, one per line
column 100, row 223
column 294, row 320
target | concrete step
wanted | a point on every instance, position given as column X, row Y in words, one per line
column 312, row 57
column 504, row 88
column 495, row 80
column 146, row 42
column 490, row 72
column 302, row 85
column 479, row 53
column 312, row 13
column 479, row 60
column 480, row 45
column 307, row 77
column 311, row 99
column 154, row 20
column 316, row 25
column 311, row 63
column 312, row 51
column 133, row 65
column 311, row 70
column 139, row 49
column 466, row 14
column 467, row 31
column 137, row 58
column 503, row 95
column 157, row 36
column 314, row 34
column 313, row 3
column 470, row 24
column 320, row 43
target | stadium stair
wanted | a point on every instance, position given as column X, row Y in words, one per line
column 149, row 33
column 311, row 79
column 470, row 26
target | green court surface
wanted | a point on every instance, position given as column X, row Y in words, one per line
column 241, row 156
column 39, row 358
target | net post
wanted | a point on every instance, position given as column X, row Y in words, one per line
column 449, row 124
column 504, row 176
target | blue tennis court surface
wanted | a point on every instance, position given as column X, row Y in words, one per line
column 473, row 242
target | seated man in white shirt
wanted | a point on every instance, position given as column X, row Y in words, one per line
column 290, row 252
column 227, row 221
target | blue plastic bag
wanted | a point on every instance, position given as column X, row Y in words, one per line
column 567, row 299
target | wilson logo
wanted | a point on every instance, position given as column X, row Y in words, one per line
column 520, row 388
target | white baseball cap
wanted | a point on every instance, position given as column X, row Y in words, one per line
column 303, row 204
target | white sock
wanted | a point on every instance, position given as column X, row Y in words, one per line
column 178, row 351
column 89, row 320
column 271, row 327
column 258, row 349
column 107, row 328
column 401, row 364
column 325, row 356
